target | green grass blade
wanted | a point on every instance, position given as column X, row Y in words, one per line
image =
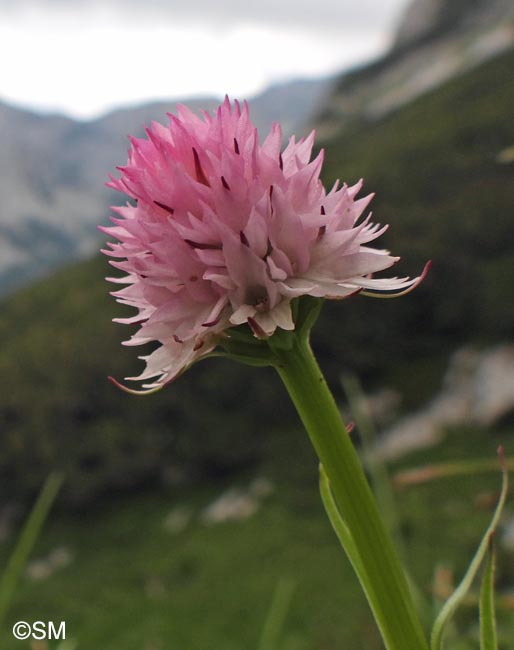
column 434, row 471
column 26, row 541
column 345, row 537
column 451, row 605
column 274, row 623
column 488, row 636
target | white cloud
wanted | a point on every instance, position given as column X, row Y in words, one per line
column 85, row 62
column 313, row 14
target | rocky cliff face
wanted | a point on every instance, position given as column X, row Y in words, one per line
column 435, row 41
column 430, row 19
column 420, row 17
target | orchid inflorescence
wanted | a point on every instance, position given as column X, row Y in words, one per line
column 226, row 231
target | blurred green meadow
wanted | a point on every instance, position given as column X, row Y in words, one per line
column 147, row 571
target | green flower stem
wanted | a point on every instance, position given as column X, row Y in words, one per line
column 383, row 578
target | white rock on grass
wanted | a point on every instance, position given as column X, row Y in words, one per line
column 507, row 537
column 232, row 505
column 261, row 487
column 177, row 519
column 478, row 389
column 43, row 568
column 237, row 504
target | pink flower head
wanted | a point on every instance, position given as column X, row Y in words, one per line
column 227, row 231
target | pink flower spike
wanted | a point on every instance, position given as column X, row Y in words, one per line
column 226, row 232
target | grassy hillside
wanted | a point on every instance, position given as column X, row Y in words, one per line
column 133, row 584
column 434, row 166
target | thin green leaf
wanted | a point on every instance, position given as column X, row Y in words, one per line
column 275, row 618
column 376, row 467
column 451, row 605
column 26, row 541
column 341, row 529
column 345, row 537
column 347, row 542
column 488, row 636
column 381, row 481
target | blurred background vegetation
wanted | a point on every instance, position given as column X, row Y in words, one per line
column 138, row 561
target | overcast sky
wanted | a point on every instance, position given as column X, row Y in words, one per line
column 84, row 57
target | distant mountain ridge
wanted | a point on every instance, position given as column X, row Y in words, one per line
column 53, row 170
